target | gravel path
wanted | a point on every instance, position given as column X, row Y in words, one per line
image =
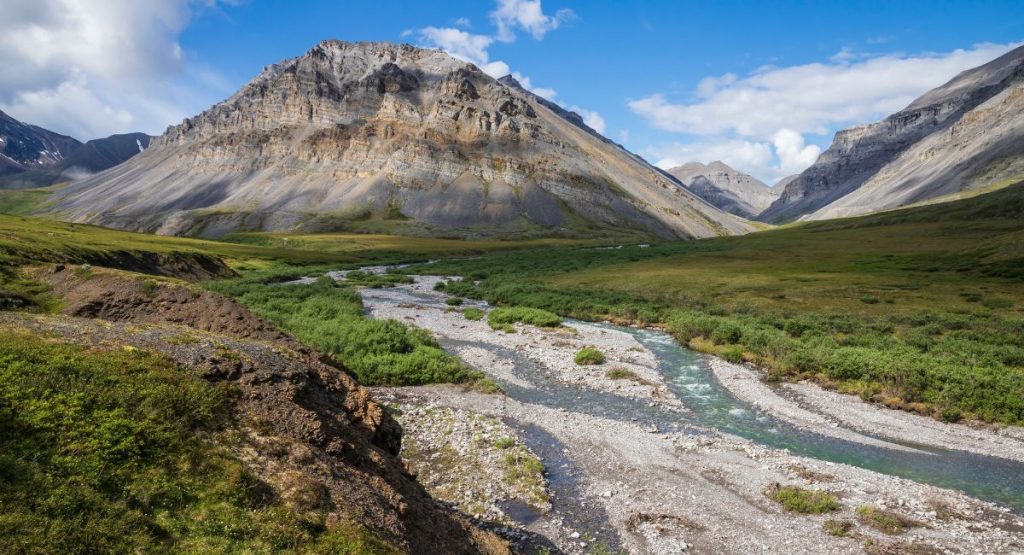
column 663, row 491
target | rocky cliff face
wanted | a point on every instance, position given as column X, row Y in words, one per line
column 726, row 188
column 382, row 132
column 961, row 135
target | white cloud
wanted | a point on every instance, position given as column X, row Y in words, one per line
column 509, row 14
column 463, row 22
column 591, row 118
column 543, row 92
column 793, row 155
column 527, row 15
column 747, row 156
column 461, row 44
column 94, row 68
column 810, row 98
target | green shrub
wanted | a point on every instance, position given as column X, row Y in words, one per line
column 733, row 354
column 504, row 317
column 621, row 374
column 839, row 528
column 996, row 302
column 473, row 314
column 376, row 281
column 885, row 521
column 504, row 442
column 453, row 301
column 869, row 299
column 799, row 500
column 589, row 356
column 726, row 333
column 329, row 317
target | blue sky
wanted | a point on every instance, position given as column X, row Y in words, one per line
column 762, row 86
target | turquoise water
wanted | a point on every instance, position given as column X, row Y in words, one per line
column 714, row 407
column 691, row 379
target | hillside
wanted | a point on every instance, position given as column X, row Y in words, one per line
column 388, row 137
column 31, row 156
column 25, row 147
column 966, row 134
column 726, row 188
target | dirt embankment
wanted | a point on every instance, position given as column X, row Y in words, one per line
column 306, row 427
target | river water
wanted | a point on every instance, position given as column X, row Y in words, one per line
column 713, row 407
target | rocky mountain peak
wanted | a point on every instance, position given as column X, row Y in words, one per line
column 354, row 132
column 726, row 188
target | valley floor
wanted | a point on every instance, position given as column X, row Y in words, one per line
column 625, row 473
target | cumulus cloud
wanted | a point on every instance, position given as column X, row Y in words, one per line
column 591, row 118
column 528, row 16
column 793, row 155
column 91, row 69
column 748, row 156
column 809, row 98
column 461, row 44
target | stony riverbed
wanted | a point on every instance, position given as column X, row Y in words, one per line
column 626, row 467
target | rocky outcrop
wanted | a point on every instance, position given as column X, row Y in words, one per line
column 965, row 134
column 354, row 132
column 723, row 187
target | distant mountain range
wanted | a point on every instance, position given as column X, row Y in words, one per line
column 965, row 135
column 395, row 138
column 722, row 186
column 31, row 156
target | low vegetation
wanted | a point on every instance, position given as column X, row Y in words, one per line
column 328, row 316
column 356, row 277
column 918, row 309
column 805, row 501
column 502, row 318
column 885, row 521
column 107, row 451
column 589, row 356
column 526, row 471
column 839, row 528
column 473, row 314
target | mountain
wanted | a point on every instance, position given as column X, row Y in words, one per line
column 100, row 154
column 25, row 147
column 966, row 134
column 392, row 136
column 31, row 156
column 723, row 187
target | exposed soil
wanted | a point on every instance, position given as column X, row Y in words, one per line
column 303, row 425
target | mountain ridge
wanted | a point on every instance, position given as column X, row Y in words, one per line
column 350, row 132
column 726, row 188
column 31, row 156
column 943, row 142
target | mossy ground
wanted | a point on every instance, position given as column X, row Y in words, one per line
column 109, row 450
